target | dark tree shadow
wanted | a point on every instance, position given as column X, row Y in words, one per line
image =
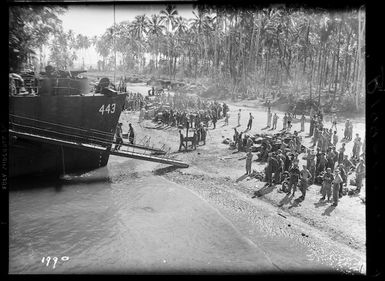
column 328, row 210
column 296, row 202
column 320, row 203
column 165, row 170
column 285, row 200
column 266, row 189
column 241, row 178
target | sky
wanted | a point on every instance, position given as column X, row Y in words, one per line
column 93, row 20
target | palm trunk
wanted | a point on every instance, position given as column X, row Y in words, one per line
column 338, row 61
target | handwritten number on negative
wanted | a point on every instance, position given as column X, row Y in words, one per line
column 47, row 260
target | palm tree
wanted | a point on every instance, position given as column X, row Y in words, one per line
column 168, row 16
column 155, row 29
column 139, row 30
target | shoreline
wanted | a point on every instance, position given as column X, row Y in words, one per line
column 222, row 170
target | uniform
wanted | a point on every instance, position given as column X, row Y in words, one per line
column 360, row 174
column 250, row 123
column 119, row 137
column 336, row 187
column 275, row 119
column 327, row 185
column 305, row 176
column 294, row 177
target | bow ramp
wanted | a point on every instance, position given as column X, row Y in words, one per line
column 147, row 157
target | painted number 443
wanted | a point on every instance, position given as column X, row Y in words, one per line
column 109, row 109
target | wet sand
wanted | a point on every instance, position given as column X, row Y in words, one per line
column 334, row 238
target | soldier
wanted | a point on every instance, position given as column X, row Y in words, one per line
column 204, row 134
column 305, row 177
column 322, row 164
column 316, row 136
column 330, row 159
column 119, row 136
column 289, row 119
column 181, row 141
column 303, row 123
column 288, row 162
column 341, row 153
column 335, row 138
column 346, row 131
column 240, row 142
column 239, row 117
column 249, row 143
column 275, row 120
column 344, row 177
column 274, row 164
column 250, row 123
column 350, row 136
column 235, row 137
column 269, row 170
column 249, row 158
column 131, row 134
column 279, row 171
column 312, row 167
column 214, row 120
column 357, row 148
column 227, row 118
column 327, row 184
column 294, row 177
column 325, row 141
column 269, row 117
column 360, row 174
column 347, row 164
column 336, row 186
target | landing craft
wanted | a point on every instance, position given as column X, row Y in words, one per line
column 55, row 122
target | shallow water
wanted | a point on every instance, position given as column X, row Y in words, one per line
column 117, row 220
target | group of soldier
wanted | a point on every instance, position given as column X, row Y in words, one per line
column 325, row 166
column 134, row 102
column 194, row 115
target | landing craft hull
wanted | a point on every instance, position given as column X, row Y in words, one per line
column 60, row 114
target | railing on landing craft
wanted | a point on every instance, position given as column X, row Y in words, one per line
column 59, row 131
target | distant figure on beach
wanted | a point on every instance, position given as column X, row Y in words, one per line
column 275, row 120
column 250, row 123
column 239, row 117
